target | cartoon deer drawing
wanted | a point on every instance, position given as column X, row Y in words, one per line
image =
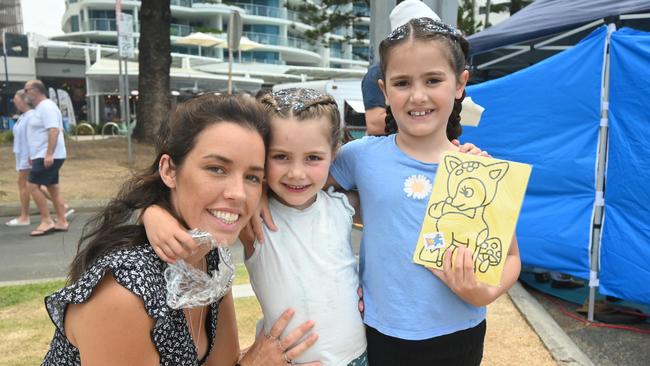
column 471, row 187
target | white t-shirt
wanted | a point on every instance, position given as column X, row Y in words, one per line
column 47, row 116
column 308, row 265
column 21, row 145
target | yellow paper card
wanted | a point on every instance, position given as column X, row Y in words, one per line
column 475, row 202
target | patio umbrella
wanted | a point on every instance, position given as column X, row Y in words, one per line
column 201, row 40
column 245, row 44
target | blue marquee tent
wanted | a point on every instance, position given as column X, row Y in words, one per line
column 556, row 115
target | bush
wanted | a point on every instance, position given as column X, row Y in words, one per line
column 6, row 137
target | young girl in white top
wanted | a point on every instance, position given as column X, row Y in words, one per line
column 414, row 316
column 308, row 264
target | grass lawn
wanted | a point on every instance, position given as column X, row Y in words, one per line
column 27, row 330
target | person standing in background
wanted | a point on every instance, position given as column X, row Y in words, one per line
column 21, row 151
column 47, row 153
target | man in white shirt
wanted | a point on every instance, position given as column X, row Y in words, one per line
column 47, row 153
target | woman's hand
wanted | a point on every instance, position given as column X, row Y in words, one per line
column 461, row 279
column 167, row 237
column 270, row 349
column 469, row 148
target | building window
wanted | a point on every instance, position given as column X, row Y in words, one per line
column 74, row 23
column 360, row 31
column 262, row 28
column 264, row 57
column 336, row 50
column 360, row 53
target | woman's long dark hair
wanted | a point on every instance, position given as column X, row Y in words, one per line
column 116, row 227
column 456, row 48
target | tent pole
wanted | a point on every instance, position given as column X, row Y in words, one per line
column 599, row 204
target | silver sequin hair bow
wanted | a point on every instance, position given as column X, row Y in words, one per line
column 427, row 25
column 298, row 99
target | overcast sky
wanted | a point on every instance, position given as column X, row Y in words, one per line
column 43, row 16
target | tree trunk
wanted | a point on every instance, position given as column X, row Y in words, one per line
column 155, row 59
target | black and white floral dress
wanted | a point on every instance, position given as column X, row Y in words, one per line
column 140, row 271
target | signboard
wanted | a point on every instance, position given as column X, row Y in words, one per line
column 125, row 35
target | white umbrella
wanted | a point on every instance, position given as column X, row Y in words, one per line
column 201, row 40
column 245, row 44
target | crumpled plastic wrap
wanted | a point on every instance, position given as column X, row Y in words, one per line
column 188, row 287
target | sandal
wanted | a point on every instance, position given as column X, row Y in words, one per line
column 38, row 232
column 61, row 229
column 16, row 222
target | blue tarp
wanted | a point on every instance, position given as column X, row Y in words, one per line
column 625, row 248
column 548, row 115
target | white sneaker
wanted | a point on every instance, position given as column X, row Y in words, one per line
column 15, row 222
column 69, row 212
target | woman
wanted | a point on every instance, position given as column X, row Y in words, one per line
column 21, row 151
column 208, row 174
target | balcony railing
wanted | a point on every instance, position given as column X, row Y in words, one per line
column 186, row 3
column 179, row 30
column 335, row 52
column 249, row 59
column 276, row 40
column 101, row 24
column 260, row 10
column 361, row 10
column 265, row 38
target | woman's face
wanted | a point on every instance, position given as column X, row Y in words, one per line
column 219, row 184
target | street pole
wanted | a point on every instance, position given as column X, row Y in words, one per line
column 488, row 4
column 6, row 86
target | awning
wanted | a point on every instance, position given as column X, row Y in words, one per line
column 356, row 105
column 103, row 80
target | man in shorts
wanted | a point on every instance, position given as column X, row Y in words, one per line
column 47, row 153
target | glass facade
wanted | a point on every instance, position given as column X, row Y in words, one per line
column 264, row 57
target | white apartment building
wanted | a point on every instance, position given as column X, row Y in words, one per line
column 268, row 22
column 83, row 60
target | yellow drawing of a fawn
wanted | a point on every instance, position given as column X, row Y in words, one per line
column 471, row 187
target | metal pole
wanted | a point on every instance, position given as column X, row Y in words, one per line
column 488, row 4
column 121, row 91
column 599, row 205
column 6, row 87
column 229, row 70
column 128, row 110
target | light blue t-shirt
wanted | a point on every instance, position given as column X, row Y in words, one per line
column 402, row 299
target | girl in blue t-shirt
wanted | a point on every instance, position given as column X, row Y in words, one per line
column 415, row 316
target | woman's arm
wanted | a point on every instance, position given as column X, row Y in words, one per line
column 111, row 328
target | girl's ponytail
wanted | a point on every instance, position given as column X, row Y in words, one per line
column 454, row 129
column 391, row 124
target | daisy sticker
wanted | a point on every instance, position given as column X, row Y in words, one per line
column 417, row 187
